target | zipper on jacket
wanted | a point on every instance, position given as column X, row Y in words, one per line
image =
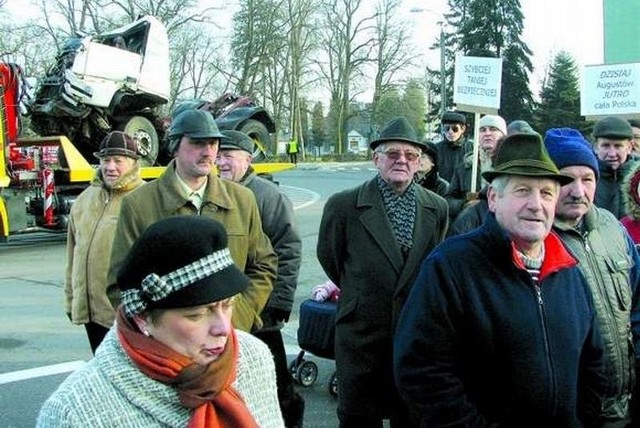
column 545, row 335
column 605, row 302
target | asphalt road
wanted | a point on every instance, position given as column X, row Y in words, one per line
column 39, row 347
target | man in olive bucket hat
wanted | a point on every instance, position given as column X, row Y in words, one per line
column 499, row 328
column 92, row 223
column 372, row 241
column 190, row 186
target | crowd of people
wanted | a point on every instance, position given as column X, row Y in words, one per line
column 183, row 284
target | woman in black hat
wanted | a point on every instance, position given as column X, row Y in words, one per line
column 173, row 358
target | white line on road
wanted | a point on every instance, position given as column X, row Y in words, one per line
column 41, row 371
column 300, row 197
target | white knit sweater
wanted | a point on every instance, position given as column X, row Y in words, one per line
column 110, row 391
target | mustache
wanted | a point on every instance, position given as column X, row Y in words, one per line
column 583, row 201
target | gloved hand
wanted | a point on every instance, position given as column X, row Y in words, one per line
column 272, row 316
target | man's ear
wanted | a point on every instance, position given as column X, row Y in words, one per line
column 491, row 199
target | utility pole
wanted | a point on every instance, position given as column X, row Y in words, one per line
column 443, row 76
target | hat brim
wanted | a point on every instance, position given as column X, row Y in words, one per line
column 616, row 136
column 376, row 143
column 202, row 135
column 219, row 286
column 561, row 178
column 116, row 152
column 229, row 146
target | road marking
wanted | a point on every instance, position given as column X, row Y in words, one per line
column 300, row 198
column 41, row 371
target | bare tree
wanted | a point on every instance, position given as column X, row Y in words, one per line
column 348, row 41
column 192, row 74
column 393, row 52
column 301, row 43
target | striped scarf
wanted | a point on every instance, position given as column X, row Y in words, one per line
column 532, row 265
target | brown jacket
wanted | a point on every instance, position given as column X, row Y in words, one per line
column 229, row 203
column 92, row 222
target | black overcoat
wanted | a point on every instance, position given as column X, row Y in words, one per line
column 358, row 251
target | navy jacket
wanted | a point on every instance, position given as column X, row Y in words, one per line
column 478, row 344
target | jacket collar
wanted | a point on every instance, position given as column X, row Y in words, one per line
column 557, row 256
column 215, row 193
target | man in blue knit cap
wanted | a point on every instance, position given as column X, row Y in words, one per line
column 608, row 260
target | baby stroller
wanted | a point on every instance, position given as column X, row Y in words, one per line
column 315, row 335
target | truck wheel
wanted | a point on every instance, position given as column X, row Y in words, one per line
column 144, row 134
column 260, row 136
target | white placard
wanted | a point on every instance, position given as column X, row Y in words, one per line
column 610, row 89
column 476, row 82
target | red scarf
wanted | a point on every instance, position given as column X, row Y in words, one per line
column 207, row 389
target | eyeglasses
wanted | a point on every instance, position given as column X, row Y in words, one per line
column 454, row 128
column 397, row 154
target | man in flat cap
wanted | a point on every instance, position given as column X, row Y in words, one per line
column 190, row 186
column 371, row 241
column 613, row 147
column 499, row 328
column 92, row 222
column 278, row 222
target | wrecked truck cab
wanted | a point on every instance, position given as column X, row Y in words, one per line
column 132, row 60
column 113, row 80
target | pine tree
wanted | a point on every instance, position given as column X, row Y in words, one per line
column 560, row 97
column 493, row 28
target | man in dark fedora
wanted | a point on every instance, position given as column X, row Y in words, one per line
column 499, row 328
column 371, row 242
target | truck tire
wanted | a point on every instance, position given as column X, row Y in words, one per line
column 260, row 136
column 146, row 137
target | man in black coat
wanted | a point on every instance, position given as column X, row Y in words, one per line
column 454, row 145
column 371, row 242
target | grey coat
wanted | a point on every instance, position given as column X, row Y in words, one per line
column 610, row 263
column 358, row 251
column 278, row 223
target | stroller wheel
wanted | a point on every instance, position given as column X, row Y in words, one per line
column 293, row 366
column 307, row 373
column 333, row 385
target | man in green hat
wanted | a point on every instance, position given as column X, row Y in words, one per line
column 499, row 328
column 190, row 186
column 371, row 242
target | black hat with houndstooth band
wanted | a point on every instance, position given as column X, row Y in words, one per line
column 178, row 262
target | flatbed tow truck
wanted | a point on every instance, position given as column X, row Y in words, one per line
column 41, row 177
